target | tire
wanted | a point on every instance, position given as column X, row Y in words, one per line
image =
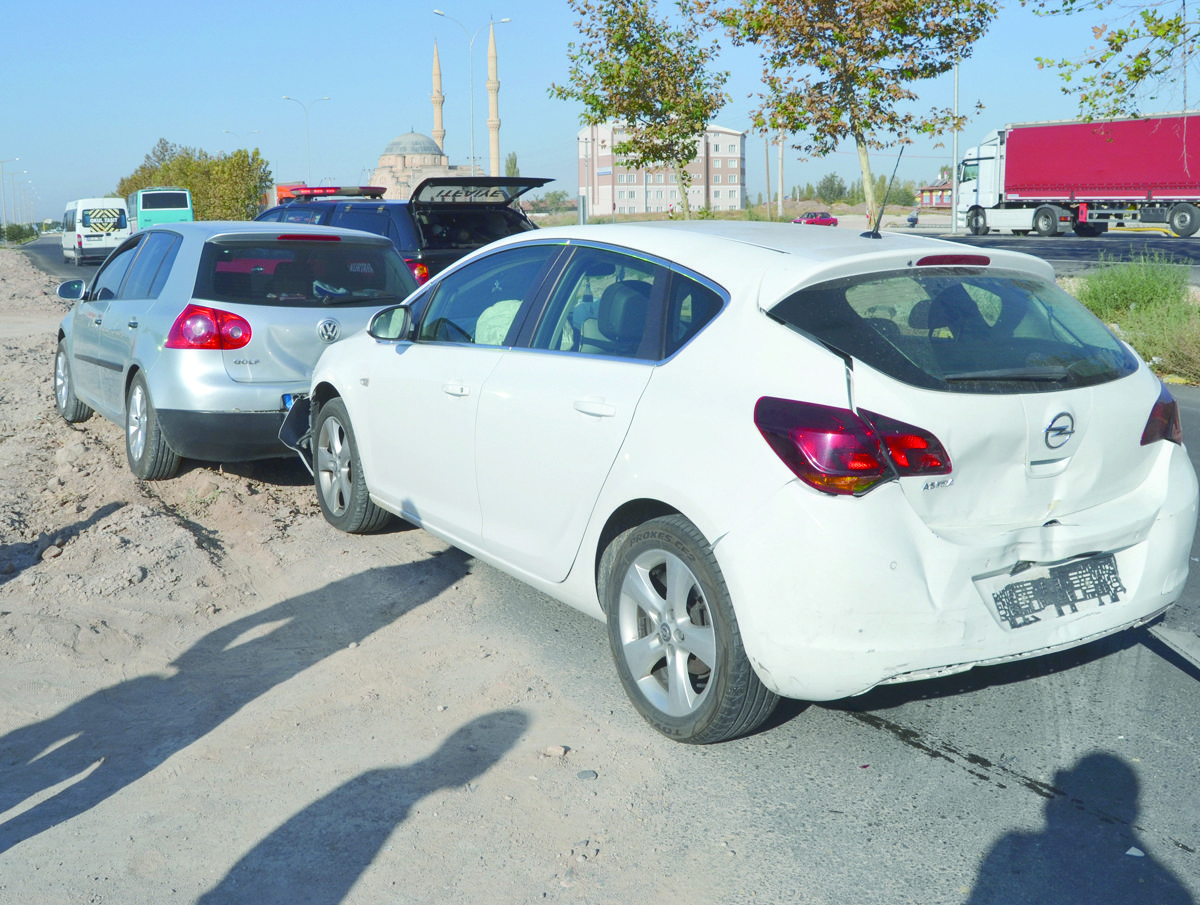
column 1045, row 222
column 693, row 682
column 1184, row 220
column 69, row 407
column 150, row 458
column 977, row 222
column 338, row 476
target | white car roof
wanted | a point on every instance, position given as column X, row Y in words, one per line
column 731, row 251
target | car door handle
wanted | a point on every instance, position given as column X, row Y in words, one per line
column 456, row 389
column 597, row 407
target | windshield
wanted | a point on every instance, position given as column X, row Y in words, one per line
column 303, row 274
column 961, row 331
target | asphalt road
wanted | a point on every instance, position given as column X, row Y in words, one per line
column 1068, row 779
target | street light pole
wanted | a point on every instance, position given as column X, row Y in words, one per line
column 471, row 68
column 254, row 132
column 3, row 201
column 307, row 134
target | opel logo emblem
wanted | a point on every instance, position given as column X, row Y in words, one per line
column 1060, row 430
column 329, row 330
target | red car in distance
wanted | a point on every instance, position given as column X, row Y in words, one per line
column 817, row 218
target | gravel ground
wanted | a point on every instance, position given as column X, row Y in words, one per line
column 209, row 695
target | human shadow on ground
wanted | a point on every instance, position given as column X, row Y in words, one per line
column 1089, row 850
column 316, row 856
column 103, row 743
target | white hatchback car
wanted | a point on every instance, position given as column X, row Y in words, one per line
column 775, row 461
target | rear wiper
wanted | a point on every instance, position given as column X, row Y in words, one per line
column 1046, row 373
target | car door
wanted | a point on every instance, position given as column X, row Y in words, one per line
column 553, row 417
column 425, row 394
column 126, row 314
column 93, row 369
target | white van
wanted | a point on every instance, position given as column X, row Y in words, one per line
column 92, row 227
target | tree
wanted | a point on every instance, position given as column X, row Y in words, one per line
column 1131, row 64
column 510, row 165
column 838, row 70
column 831, row 188
column 649, row 75
column 225, row 187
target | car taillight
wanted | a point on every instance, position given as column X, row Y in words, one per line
column 419, row 270
column 1164, row 422
column 913, row 451
column 198, row 327
column 836, row 451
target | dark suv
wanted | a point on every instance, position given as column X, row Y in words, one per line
column 446, row 217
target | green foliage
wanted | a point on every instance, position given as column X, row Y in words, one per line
column 650, row 76
column 19, row 232
column 1149, row 301
column 551, row 201
column 831, row 188
column 843, row 70
column 230, row 186
column 1132, row 63
column 510, row 165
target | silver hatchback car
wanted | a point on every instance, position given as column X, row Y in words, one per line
column 196, row 337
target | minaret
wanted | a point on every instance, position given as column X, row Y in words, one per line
column 493, row 90
column 439, row 133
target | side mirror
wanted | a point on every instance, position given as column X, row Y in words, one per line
column 72, row 290
column 391, row 324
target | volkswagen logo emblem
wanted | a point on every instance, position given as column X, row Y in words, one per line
column 329, row 330
column 1060, row 430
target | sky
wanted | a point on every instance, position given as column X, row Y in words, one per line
column 89, row 89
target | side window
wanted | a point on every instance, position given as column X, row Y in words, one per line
column 150, row 269
column 690, row 306
column 271, row 216
column 605, row 304
column 108, row 281
column 479, row 303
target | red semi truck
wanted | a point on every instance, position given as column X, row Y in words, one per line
column 1052, row 177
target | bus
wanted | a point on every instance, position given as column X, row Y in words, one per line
column 157, row 205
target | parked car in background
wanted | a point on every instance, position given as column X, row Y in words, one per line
column 775, row 461
column 195, row 336
column 817, row 218
column 446, row 218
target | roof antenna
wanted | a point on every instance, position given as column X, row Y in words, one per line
column 874, row 233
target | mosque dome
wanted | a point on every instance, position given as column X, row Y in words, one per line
column 413, row 143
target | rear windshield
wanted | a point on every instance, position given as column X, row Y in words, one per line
column 303, row 274
column 165, row 201
column 466, row 227
column 961, row 330
column 104, row 219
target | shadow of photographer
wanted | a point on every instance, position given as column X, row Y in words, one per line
column 1088, row 852
column 317, row 855
column 58, row 768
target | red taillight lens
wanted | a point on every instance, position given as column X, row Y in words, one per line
column 836, row 451
column 419, row 270
column 912, row 450
column 1163, row 423
column 198, row 327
